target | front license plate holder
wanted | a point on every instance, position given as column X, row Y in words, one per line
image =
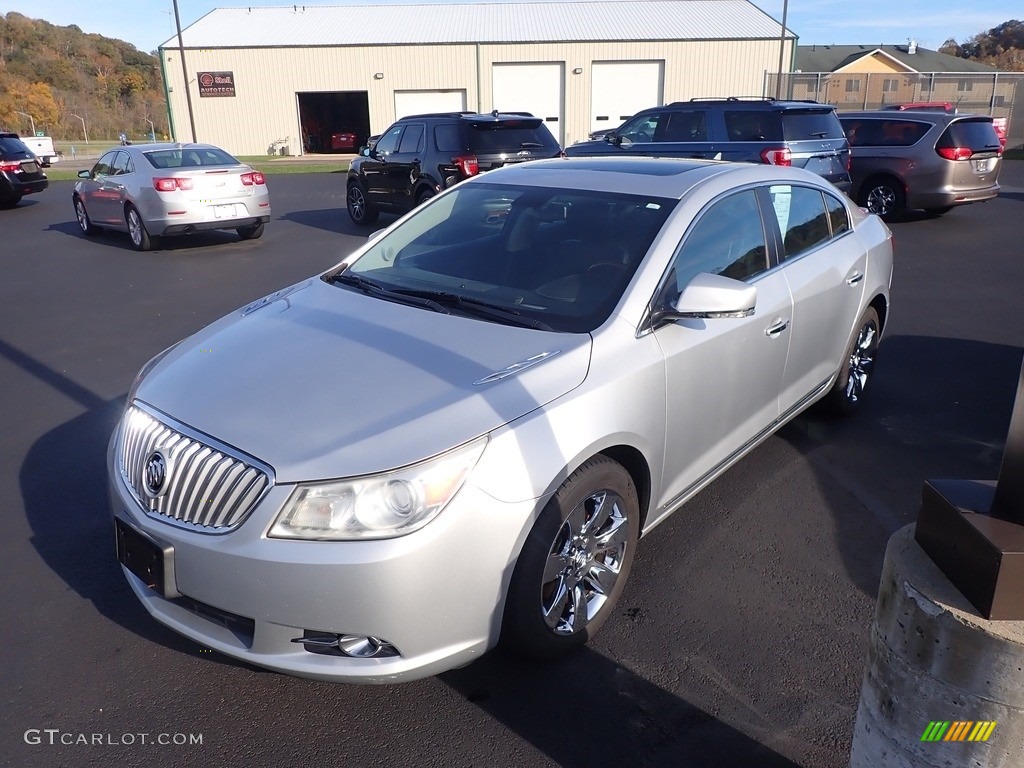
column 150, row 562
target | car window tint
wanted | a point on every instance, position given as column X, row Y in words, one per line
column 802, row 218
column 509, row 136
column 388, row 143
column 189, row 157
column 806, row 124
column 412, row 138
column 447, row 138
column 641, row 128
column 728, row 239
column 752, row 125
column 976, row 135
column 12, row 147
column 838, row 216
column 682, row 126
column 867, row 132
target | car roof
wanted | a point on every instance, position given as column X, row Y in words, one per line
column 752, row 103
column 921, row 115
column 472, row 116
column 664, row 177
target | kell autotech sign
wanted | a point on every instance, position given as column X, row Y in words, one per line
column 216, row 83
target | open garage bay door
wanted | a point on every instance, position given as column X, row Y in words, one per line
column 424, row 102
column 534, row 88
column 620, row 89
column 333, row 121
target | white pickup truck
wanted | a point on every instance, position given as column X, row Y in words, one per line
column 42, row 147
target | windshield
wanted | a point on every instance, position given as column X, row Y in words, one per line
column 554, row 258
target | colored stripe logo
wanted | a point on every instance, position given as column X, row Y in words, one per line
column 958, row 730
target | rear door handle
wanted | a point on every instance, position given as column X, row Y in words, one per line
column 775, row 329
column 855, row 278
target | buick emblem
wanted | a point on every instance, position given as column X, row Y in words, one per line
column 155, row 481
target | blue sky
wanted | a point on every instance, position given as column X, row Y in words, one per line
column 148, row 23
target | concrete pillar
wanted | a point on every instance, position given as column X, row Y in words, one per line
column 933, row 658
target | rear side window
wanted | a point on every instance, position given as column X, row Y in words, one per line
column 753, row 125
column 837, row 215
column 805, row 124
column 884, row 133
column 802, row 218
column 976, row 135
column 682, row 126
column 412, row 138
column 511, row 135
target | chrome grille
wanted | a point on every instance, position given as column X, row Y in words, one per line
column 206, row 488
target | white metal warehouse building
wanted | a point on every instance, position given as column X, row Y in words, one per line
column 292, row 77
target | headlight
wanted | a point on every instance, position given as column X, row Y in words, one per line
column 377, row 506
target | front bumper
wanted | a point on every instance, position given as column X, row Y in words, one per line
column 436, row 595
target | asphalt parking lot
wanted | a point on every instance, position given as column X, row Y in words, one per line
column 740, row 639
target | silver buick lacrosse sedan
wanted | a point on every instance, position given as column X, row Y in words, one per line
column 456, row 437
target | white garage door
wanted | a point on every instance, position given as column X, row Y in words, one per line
column 534, row 88
column 422, row 102
column 620, row 89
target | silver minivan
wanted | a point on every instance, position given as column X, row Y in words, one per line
column 928, row 160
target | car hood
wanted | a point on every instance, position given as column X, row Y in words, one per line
column 320, row 381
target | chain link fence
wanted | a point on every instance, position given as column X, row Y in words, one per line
column 999, row 94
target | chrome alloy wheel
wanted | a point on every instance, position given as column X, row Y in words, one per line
column 356, row 203
column 584, row 562
column 82, row 216
column 135, row 227
column 862, row 361
column 881, row 200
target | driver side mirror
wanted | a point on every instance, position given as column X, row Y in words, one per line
column 85, row 174
column 711, row 297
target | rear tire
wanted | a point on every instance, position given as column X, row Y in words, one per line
column 137, row 229
column 884, row 196
column 10, row 202
column 847, row 392
column 253, row 232
column 574, row 564
column 359, row 208
column 425, row 194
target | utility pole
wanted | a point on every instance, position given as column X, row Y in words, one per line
column 184, row 72
column 782, row 48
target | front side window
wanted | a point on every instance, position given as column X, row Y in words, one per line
column 803, row 220
column 388, row 143
column 104, row 166
column 728, row 239
column 642, row 128
column 549, row 258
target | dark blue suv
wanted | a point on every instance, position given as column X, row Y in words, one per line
column 805, row 134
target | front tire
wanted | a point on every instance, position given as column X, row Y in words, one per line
column 253, row 232
column 84, row 222
column 847, row 392
column 885, row 197
column 574, row 564
column 359, row 208
column 137, row 229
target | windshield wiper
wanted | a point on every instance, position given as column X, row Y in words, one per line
column 375, row 289
column 477, row 307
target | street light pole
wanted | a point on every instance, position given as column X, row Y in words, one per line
column 30, row 119
column 83, row 128
column 782, row 48
column 152, row 129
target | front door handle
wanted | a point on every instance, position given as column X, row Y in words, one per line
column 776, row 328
column 855, row 278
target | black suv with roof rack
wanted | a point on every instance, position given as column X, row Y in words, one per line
column 20, row 173
column 421, row 155
column 806, row 134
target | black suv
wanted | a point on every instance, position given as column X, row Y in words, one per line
column 420, row 155
column 19, row 171
column 800, row 133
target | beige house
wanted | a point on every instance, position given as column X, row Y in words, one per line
column 296, row 79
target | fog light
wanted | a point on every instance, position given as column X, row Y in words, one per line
column 350, row 646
